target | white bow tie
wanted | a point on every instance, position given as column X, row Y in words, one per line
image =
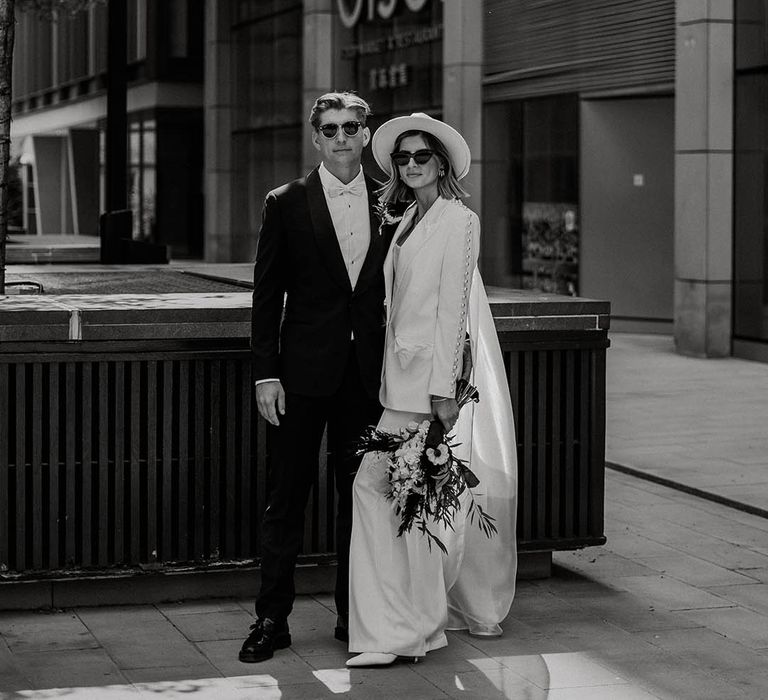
column 356, row 189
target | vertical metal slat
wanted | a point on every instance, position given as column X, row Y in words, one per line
column 70, row 467
column 4, row 466
column 104, row 441
column 543, row 499
column 527, row 475
column 54, row 560
column 168, row 500
column 134, row 463
column 597, row 461
column 557, row 442
column 252, row 459
column 151, row 457
column 37, row 465
column 214, row 546
column 183, row 465
column 568, row 474
column 119, row 466
column 584, row 443
column 230, row 457
column 86, row 494
column 200, row 511
column 21, row 469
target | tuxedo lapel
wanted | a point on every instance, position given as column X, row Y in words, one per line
column 325, row 234
column 376, row 247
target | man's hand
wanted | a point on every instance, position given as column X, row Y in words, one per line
column 446, row 411
column 270, row 399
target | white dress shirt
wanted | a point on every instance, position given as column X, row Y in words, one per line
column 348, row 205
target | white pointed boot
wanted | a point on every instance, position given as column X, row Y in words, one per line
column 372, row 658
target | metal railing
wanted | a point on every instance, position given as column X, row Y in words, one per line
column 147, row 455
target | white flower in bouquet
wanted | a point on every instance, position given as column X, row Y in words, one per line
column 439, row 455
column 412, row 456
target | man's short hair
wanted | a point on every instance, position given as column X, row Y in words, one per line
column 339, row 100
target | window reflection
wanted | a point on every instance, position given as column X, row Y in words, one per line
column 531, row 194
column 142, row 178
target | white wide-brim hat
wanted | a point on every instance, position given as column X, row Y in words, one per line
column 383, row 142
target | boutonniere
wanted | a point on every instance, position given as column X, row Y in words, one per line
column 385, row 215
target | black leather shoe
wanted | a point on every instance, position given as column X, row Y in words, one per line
column 341, row 632
column 267, row 636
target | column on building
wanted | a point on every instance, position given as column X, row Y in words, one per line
column 463, row 82
column 221, row 224
column 317, row 68
column 703, row 177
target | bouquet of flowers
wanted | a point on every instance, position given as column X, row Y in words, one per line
column 425, row 477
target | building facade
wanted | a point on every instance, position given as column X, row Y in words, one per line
column 59, row 117
column 619, row 146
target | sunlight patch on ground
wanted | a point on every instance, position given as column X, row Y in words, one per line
column 200, row 689
column 550, row 672
column 561, row 670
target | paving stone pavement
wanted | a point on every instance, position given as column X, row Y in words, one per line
column 674, row 606
column 701, row 423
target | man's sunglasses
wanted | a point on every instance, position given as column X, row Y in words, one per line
column 404, row 157
column 330, row 130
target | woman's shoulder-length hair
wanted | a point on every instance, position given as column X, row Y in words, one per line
column 448, row 187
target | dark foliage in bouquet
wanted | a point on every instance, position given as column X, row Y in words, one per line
column 388, row 214
column 425, row 478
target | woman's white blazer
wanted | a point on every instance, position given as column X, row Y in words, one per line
column 427, row 298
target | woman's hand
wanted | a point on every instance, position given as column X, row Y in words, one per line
column 445, row 410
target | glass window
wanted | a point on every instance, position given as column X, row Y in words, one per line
column 142, row 178
column 531, row 194
column 269, row 114
column 148, row 194
column 137, row 30
column 134, row 144
column 134, row 200
column 269, row 71
column 148, row 142
column 29, row 205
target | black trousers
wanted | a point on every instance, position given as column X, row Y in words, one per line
column 295, row 444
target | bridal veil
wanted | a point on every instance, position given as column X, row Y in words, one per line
column 480, row 571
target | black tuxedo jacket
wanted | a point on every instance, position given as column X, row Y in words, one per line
column 306, row 342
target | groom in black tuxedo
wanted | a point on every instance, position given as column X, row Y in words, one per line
column 317, row 340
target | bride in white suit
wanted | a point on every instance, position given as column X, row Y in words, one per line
column 404, row 596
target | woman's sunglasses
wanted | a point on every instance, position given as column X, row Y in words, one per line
column 330, row 130
column 420, row 157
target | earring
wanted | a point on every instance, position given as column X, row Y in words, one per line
column 441, row 173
